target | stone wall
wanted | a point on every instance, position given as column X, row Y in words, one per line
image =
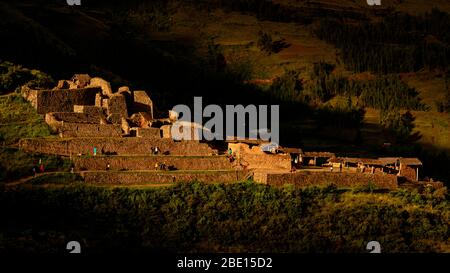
column 88, row 109
column 148, row 132
column 408, row 172
column 104, row 85
column 148, row 162
column 117, row 106
column 255, row 158
column 166, row 131
column 142, row 102
column 304, row 178
column 61, row 100
column 119, row 146
column 75, row 117
column 68, row 129
column 151, row 177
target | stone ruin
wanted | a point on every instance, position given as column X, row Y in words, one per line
column 120, row 124
column 85, row 106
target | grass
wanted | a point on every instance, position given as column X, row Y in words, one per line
column 15, row 163
column 18, row 119
column 253, row 217
column 165, row 172
column 238, row 35
column 64, row 178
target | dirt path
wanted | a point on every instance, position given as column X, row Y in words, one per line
column 24, row 180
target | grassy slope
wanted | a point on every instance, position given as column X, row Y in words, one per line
column 237, row 33
column 18, row 119
column 242, row 217
column 432, row 125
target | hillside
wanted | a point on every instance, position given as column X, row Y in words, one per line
column 234, row 218
column 212, row 49
column 351, row 80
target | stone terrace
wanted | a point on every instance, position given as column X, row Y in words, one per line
column 120, row 126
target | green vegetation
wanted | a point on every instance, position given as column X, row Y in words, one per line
column 243, row 217
column 390, row 92
column 401, row 125
column 15, row 163
column 444, row 105
column 62, row 178
column 382, row 92
column 18, row 119
column 399, row 43
column 288, row 87
column 13, row 76
column 268, row 45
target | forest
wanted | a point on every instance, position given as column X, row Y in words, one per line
column 399, row 43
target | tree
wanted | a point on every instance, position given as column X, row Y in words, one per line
column 400, row 125
column 268, row 45
column 444, row 104
column 288, row 86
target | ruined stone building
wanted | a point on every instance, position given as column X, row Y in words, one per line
column 88, row 107
column 120, row 124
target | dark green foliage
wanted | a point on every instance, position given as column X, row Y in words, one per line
column 400, row 43
column 383, row 92
column 153, row 14
column 401, row 125
column 340, row 116
column 243, row 217
column 444, row 105
column 288, row 87
column 265, row 42
column 268, row 45
column 390, row 92
column 15, row 163
column 13, row 76
column 322, row 81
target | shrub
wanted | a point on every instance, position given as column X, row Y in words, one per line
column 241, row 217
column 13, row 76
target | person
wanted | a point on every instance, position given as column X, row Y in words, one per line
column 95, row 151
column 230, row 154
column 156, row 166
column 340, row 167
column 41, row 168
column 71, row 169
column 156, row 150
column 34, row 171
